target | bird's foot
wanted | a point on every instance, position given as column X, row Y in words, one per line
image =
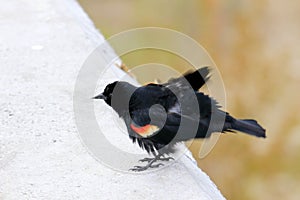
column 151, row 162
column 143, row 168
column 157, row 158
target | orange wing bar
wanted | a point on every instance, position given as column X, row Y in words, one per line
column 144, row 131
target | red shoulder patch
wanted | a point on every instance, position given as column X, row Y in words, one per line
column 144, row 131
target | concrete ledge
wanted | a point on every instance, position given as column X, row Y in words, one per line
column 42, row 47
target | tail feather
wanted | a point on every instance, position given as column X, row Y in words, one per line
column 248, row 126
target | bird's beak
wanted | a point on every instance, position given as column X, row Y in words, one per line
column 100, row 96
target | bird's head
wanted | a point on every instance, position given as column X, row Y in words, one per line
column 117, row 95
column 106, row 95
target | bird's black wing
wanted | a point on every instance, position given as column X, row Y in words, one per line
column 168, row 94
column 196, row 121
column 194, row 80
column 161, row 127
column 146, row 96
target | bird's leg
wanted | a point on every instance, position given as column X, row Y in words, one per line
column 150, row 161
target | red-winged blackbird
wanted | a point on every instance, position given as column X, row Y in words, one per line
column 158, row 116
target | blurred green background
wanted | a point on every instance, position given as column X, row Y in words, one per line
column 256, row 46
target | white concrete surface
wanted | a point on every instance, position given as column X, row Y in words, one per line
column 43, row 44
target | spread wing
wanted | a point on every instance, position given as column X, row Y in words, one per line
column 167, row 94
column 194, row 79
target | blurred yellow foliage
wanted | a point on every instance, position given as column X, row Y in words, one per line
column 256, row 45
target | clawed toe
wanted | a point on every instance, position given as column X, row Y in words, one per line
column 166, row 159
column 146, row 159
column 157, row 165
column 151, row 162
column 143, row 168
column 158, row 158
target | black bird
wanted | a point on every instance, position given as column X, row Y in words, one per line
column 158, row 116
